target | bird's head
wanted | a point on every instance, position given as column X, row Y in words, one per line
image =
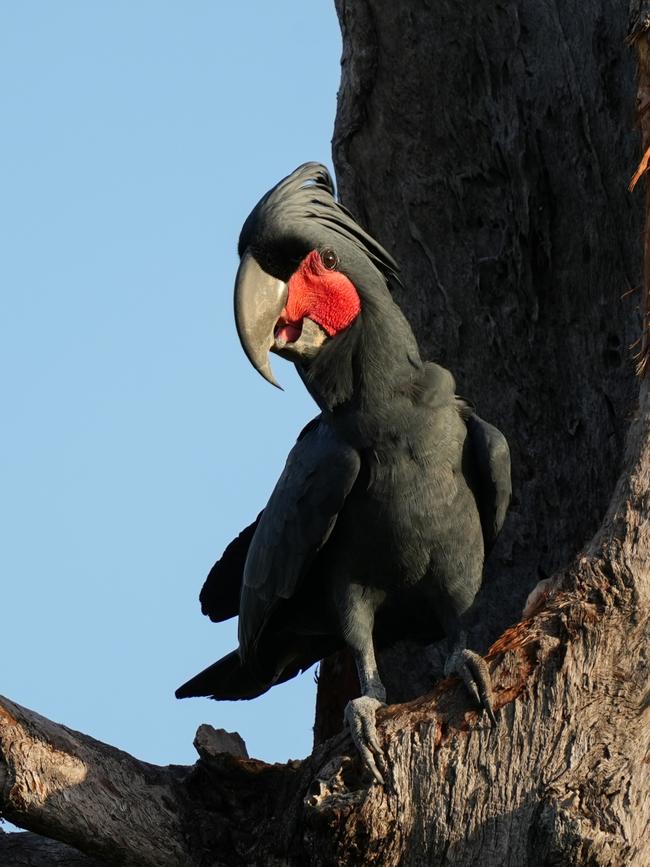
column 307, row 271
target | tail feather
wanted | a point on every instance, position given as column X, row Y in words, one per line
column 226, row 679
column 229, row 680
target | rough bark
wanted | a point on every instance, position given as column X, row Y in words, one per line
column 489, row 146
column 32, row 850
column 639, row 27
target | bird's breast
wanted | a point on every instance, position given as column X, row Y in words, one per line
column 398, row 517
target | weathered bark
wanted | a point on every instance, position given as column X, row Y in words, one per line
column 639, row 27
column 120, row 803
column 32, row 850
column 489, row 146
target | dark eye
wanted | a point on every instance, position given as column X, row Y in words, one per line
column 329, row 259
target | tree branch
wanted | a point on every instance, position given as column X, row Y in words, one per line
column 110, row 805
column 68, row 786
column 31, row 850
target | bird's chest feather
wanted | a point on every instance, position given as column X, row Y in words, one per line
column 402, row 515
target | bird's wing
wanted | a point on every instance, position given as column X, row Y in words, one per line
column 220, row 593
column 491, row 472
column 221, row 590
column 297, row 521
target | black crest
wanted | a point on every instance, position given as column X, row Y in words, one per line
column 305, row 200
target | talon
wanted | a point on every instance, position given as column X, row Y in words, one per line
column 475, row 674
column 360, row 717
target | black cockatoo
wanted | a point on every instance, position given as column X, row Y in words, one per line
column 379, row 524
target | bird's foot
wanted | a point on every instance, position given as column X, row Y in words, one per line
column 475, row 674
column 360, row 717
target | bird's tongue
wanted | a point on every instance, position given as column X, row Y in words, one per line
column 287, row 332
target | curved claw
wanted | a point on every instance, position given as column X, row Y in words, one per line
column 360, row 717
column 475, row 674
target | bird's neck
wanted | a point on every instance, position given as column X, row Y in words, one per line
column 365, row 375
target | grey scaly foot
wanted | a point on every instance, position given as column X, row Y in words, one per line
column 360, row 717
column 475, row 674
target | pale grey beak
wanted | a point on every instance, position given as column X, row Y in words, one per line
column 259, row 301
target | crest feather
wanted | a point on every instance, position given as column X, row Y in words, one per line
column 308, row 194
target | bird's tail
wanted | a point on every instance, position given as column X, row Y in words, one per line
column 229, row 679
column 226, row 679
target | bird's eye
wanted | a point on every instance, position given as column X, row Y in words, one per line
column 329, row 259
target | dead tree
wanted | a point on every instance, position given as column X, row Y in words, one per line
column 489, row 146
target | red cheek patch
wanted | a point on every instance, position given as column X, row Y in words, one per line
column 325, row 296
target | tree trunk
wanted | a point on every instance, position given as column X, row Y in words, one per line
column 489, row 147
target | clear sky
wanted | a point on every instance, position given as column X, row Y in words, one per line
column 136, row 440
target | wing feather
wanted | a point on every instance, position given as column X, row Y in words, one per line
column 297, row 521
column 493, row 484
column 220, row 593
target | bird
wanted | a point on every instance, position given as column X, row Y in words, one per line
column 379, row 524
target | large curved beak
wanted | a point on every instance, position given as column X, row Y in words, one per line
column 259, row 301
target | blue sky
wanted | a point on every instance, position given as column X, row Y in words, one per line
column 136, row 440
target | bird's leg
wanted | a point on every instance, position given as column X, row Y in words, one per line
column 360, row 712
column 474, row 672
